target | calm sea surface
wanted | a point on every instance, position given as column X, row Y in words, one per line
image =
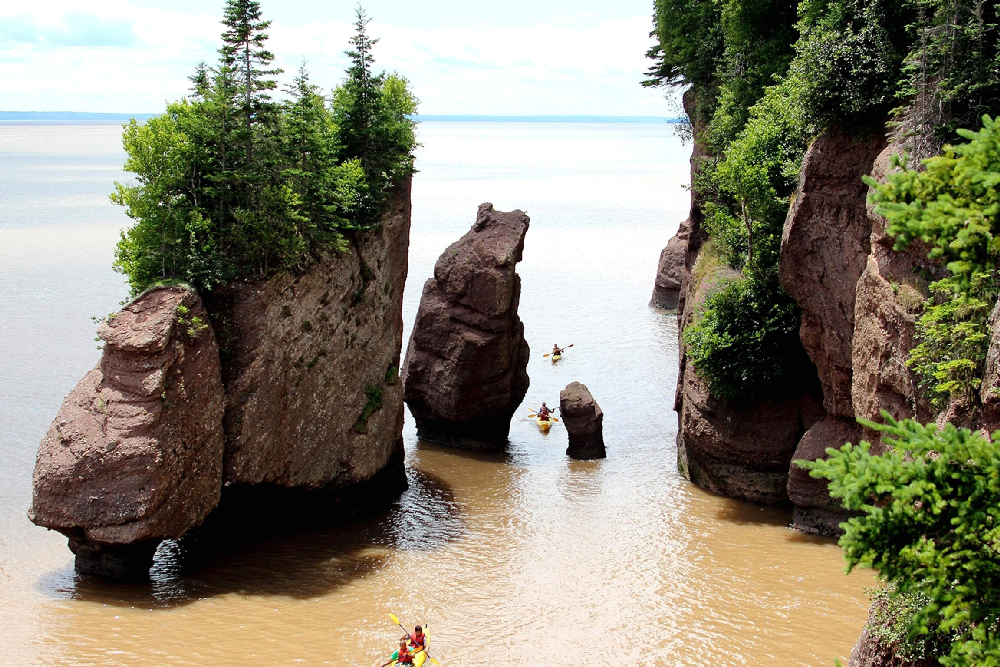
column 524, row 559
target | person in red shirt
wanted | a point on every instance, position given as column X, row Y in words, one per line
column 544, row 412
column 417, row 638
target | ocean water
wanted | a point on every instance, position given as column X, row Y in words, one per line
column 523, row 558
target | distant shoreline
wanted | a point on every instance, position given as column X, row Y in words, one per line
column 87, row 117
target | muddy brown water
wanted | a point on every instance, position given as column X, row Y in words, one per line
column 523, row 558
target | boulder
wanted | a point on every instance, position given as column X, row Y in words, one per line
column 134, row 455
column 740, row 451
column 584, row 422
column 815, row 511
column 824, row 247
column 670, row 273
column 465, row 370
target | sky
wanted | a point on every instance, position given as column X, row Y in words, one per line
column 517, row 57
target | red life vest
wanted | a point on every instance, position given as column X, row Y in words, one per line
column 404, row 657
column 418, row 641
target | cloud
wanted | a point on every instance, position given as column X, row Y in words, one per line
column 138, row 57
column 74, row 28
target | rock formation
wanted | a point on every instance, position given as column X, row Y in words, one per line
column 584, row 422
column 288, row 385
column 740, row 452
column 134, row 455
column 670, row 272
column 873, row 650
column 465, row 363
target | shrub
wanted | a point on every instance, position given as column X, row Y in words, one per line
column 929, row 524
column 745, row 341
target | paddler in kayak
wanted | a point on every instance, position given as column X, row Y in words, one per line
column 544, row 413
column 418, row 639
column 403, row 656
column 557, row 351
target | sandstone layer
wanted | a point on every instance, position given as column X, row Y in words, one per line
column 465, row 370
column 872, row 650
column 135, row 453
column 670, row 273
column 272, row 389
column 584, row 422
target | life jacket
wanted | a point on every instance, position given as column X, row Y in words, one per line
column 418, row 641
column 543, row 414
column 404, row 657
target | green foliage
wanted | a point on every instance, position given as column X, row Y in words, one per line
column 689, row 47
column 890, row 622
column 848, row 61
column 229, row 184
column 930, row 524
column 953, row 205
column 749, row 188
column 374, row 403
column 746, row 341
column 951, row 76
column 954, row 338
column 372, row 115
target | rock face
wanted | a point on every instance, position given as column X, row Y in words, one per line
column 313, row 397
column 285, row 385
column 134, row 455
column 815, row 511
column 584, row 422
column 823, row 252
column 740, row 452
column 465, row 370
column 670, row 272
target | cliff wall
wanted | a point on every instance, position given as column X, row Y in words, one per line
column 288, row 384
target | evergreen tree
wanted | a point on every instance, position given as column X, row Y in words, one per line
column 244, row 53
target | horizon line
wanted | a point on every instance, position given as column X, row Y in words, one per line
column 427, row 118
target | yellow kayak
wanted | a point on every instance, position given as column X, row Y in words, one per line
column 418, row 658
column 556, row 357
column 543, row 424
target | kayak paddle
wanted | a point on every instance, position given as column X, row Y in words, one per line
column 560, row 351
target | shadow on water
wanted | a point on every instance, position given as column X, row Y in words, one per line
column 296, row 552
column 743, row 513
column 503, row 456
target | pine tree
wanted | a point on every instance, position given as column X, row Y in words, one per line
column 245, row 54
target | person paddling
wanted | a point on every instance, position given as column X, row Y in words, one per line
column 544, row 413
column 404, row 657
column 556, row 350
column 418, row 639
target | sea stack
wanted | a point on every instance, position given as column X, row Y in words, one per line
column 584, row 422
column 280, row 395
column 465, row 371
column 134, row 455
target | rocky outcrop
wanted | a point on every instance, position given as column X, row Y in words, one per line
column 285, row 386
column 584, row 422
column 740, row 451
column 313, row 397
column 815, row 511
column 874, row 649
column 670, row 272
column 135, row 453
column 824, row 247
column 465, row 370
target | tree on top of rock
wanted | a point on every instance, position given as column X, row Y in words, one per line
column 244, row 53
